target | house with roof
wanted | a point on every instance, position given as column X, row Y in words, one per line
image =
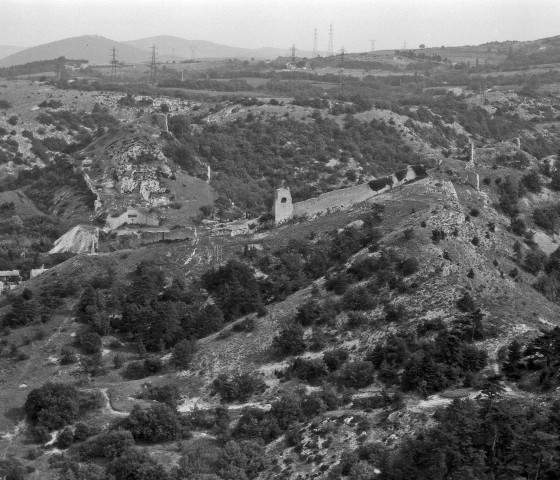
column 9, row 279
column 132, row 216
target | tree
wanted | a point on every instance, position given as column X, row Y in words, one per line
column 53, row 405
column 135, row 465
column 422, row 46
column 183, row 353
column 289, row 341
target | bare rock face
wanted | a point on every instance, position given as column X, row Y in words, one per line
column 79, row 239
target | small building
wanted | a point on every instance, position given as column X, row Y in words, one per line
column 132, row 216
column 10, row 278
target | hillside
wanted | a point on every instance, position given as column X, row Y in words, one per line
column 182, row 49
column 6, row 50
column 94, row 48
column 399, row 321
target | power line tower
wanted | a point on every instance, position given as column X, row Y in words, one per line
column 341, row 71
column 315, row 51
column 330, row 50
column 114, row 65
column 293, row 54
column 193, row 53
column 153, row 66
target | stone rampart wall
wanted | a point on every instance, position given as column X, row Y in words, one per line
column 346, row 197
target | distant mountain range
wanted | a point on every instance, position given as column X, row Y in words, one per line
column 97, row 50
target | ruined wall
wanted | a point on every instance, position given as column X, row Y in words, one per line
column 283, row 207
column 346, row 197
column 333, row 200
column 472, row 178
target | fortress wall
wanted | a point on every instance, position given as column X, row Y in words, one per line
column 345, row 197
column 336, row 199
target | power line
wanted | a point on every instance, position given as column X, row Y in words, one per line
column 114, row 65
column 315, row 51
column 330, row 50
column 153, row 67
column 293, row 54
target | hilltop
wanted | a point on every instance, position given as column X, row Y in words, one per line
column 93, row 48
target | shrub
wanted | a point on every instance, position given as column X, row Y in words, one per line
column 335, row 358
column 65, row 438
column 358, row 298
column 240, row 387
column 55, row 405
column 90, row 342
column 308, row 313
column 532, row 181
column 356, row 374
column 310, row 371
column 183, row 353
column 289, row 341
column 167, row 393
column 135, row 465
column 466, row 303
column 67, row 356
column 13, row 120
column 408, row 266
column 394, row 313
column 156, row 424
column 380, row 183
column 111, row 445
column 518, row 226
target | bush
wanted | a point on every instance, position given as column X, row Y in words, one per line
column 167, row 393
column 156, row 424
column 359, row 298
column 466, row 303
column 111, row 445
column 183, row 353
column 408, row 266
column 308, row 313
column 356, row 374
column 90, row 343
column 13, row 120
column 289, row 341
column 335, row 358
column 240, row 387
column 532, row 181
column 135, row 465
column 310, row 371
column 518, row 226
column 55, row 405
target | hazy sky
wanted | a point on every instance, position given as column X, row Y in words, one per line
column 281, row 23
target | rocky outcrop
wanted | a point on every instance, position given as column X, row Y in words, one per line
column 79, row 239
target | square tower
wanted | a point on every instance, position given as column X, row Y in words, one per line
column 283, row 208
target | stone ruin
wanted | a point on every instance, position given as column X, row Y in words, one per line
column 283, row 208
column 338, row 199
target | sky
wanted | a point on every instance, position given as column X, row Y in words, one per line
column 283, row 23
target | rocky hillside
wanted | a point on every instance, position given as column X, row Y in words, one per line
column 412, row 334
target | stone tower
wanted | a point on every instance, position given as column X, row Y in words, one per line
column 283, row 207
